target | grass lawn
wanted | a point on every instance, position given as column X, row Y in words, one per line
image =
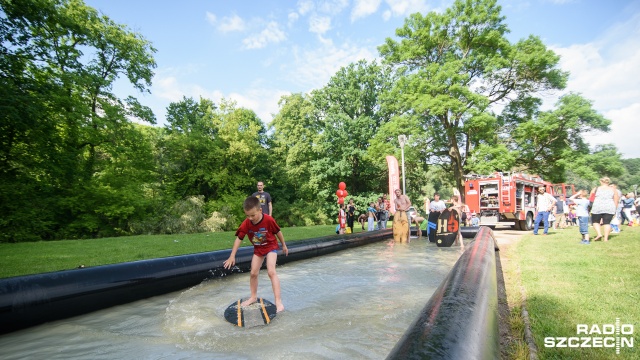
column 45, row 256
column 563, row 282
column 567, row 283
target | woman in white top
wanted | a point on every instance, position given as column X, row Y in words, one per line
column 604, row 208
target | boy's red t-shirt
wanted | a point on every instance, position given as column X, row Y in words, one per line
column 262, row 235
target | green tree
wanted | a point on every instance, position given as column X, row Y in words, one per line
column 190, row 152
column 454, row 68
column 549, row 143
column 349, row 115
column 63, row 128
column 629, row 181
column 294, row 130
column 214, row 151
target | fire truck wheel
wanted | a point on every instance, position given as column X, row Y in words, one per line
column 527, row 225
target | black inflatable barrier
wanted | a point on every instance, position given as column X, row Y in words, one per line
column 460, row 321
column 35, row 299
column 468, row 232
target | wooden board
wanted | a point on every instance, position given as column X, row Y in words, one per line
column 400, row 226
column 447, row 228
column 431, row 225
column 259, row 313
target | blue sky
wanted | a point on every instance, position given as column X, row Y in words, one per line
column 256, row 51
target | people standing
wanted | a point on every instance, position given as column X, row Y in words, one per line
column 560, row 214
column 402, row 201
column 387, row 207
column 457, row 205
column 342, row 223
column 265, row 199
column 573, row 221
column 463, row 209
column 604, row 208
column 544, row 204
column 582, row 214
column 401, row 221
column 436, row 207
column 619, row 215
column 382, row 219
column 627, row 206
column 371, row 221
column 351, row 214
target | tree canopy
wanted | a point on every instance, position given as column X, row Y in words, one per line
column 457, row 68
column 74, row 164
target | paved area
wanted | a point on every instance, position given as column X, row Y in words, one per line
column 506, row 236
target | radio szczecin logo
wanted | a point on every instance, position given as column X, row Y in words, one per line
column 596, row 336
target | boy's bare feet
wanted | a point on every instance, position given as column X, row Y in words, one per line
column 279, row 307
column 249, row 301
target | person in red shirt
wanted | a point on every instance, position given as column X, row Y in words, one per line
column 262, row 231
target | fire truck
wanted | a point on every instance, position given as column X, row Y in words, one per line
column 508, row 198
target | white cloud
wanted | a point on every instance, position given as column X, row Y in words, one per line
column 263, row 101
column 319, row 24
column 170, row 89
column 607, row 72
column 231, row 23
column 271, row 34
column 305, row 6
column 624, row 130
column 293, row 18
column 402, row 8
column 166, row 88
column 313, row 68
column 364, row 8
column 332, row 7
column 211, row 18
column 227, row 23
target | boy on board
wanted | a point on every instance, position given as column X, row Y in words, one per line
column 262, row 231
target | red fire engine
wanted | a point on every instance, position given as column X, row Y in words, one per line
column 508, row 198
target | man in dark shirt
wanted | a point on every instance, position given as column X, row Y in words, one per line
column 265, row 199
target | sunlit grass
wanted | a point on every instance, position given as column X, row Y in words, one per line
column 516, row 347
column 45, row 256
column 567, row 283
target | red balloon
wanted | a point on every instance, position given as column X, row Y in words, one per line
column 345, row 193
column 339, row 192
column 340, row 200
column 342, row 185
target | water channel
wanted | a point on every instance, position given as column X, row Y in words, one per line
column 355, row 303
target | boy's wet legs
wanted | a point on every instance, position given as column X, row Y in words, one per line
column 256, row 264
column 272, row 257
